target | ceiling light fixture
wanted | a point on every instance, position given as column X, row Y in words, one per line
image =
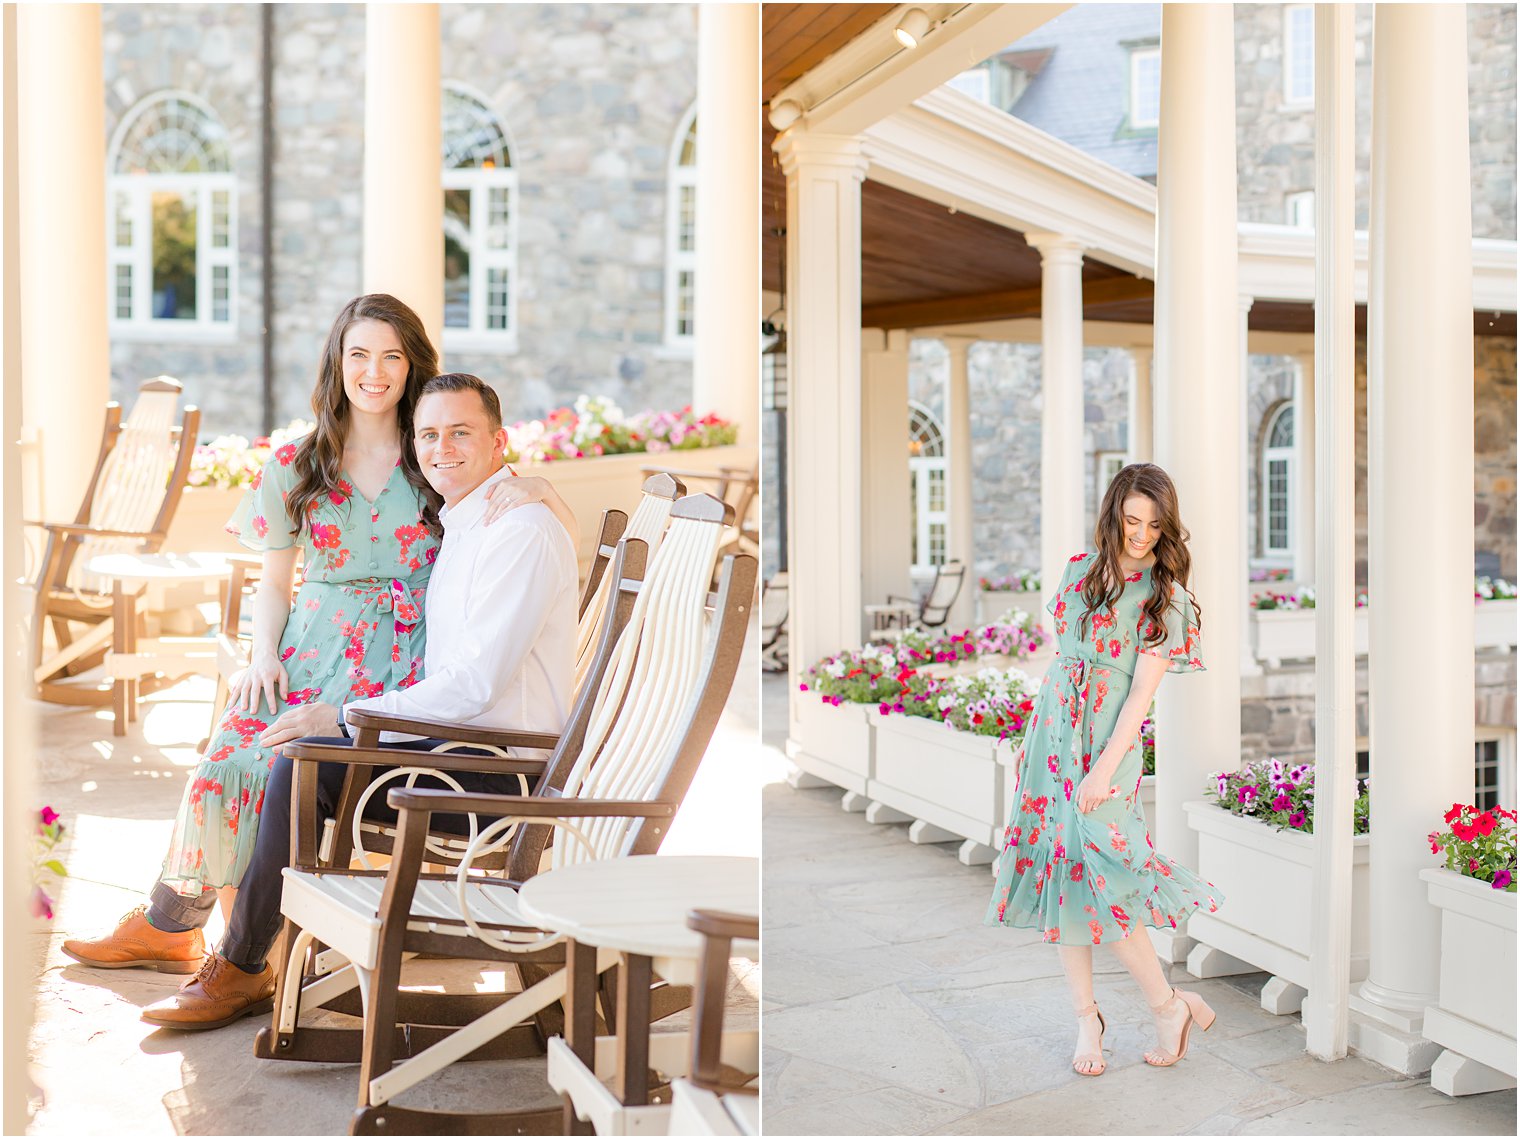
column 912, row 28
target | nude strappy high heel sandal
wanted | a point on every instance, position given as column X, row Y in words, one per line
column 1198, row 1012
column 1091, row 1057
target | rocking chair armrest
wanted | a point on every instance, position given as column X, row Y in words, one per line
column 406, row 757
column 429, row 801
column 366, row 720
column 76, row 530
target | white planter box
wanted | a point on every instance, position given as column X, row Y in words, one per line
column 1474, row 1016
column 993, row 603
column 834, row 743
column 1266, row 876
column 197, row 525
column 590, row 486
column 1288, row 634
column 951, row 780
column 1494, row 624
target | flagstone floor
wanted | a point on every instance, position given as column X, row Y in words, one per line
column 890, row 1009
column 99, row 1071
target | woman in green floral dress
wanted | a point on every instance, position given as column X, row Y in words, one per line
column 1077, row 859
column 351, row 498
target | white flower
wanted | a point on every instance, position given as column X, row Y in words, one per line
column 835, row 669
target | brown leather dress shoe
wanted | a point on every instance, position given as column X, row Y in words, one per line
column 216, row 996
column 135, row 943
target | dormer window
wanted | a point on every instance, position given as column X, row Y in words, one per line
column 1145, row 86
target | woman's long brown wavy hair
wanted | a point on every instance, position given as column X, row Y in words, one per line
column 1105, row 581
column 319, row 456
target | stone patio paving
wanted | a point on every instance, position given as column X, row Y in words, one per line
column 100, row 1071
column 890, row 1009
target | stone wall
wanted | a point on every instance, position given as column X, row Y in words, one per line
column 591, row 95
column 1275, row 143
column 1494, row 441
column 211, row 51
column 1277, row 706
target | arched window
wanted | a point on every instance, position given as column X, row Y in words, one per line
column 1278, row 478
column 927, row 467
column 479, row 225
column 171, row 233
column 681, row 235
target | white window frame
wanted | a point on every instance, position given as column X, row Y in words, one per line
column 1295, row 206
column 1110, row 463
column 480, row 182
column 1288, row 456
column 919, row 468
column 137, row 256
column 1296, row 97
column 1506, row 739
column 1135, row 56
column 679, row 177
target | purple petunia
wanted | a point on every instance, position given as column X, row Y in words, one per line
column 1297, row 819
column 1502, row 880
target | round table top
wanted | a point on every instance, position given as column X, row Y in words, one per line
column 159, row 567
column 639, row 904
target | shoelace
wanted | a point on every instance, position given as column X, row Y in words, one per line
column 141, row 908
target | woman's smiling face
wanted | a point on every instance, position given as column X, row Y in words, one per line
column 374, row 367
column 1142, row 526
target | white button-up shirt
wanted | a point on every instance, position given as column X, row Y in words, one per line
column 501, row 617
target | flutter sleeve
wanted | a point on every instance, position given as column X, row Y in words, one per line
column 261, row 521
column 1182, row 648
column 1074, row 569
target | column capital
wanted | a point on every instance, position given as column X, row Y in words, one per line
column 1056, row 248
column 798, row 148
column 956, row 343
column 1245, row 301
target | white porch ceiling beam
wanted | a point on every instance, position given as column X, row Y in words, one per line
column 873, row 75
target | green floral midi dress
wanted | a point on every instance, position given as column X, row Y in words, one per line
column 1086, row 879
column 355, row 630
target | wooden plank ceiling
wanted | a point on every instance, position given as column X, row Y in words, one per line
column 921, row 264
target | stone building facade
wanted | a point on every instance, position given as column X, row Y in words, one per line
column 590, row 98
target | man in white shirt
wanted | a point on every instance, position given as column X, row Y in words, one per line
column 501, row 615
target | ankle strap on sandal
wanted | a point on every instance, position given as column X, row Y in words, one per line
column 1169, row 1000
column 1089, row 1009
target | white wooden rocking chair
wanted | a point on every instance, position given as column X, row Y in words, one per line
column 140, row 471
column 626, row 759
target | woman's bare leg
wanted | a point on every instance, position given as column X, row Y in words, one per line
column 1136, row 954
column 1076, row 961
column 226, row 896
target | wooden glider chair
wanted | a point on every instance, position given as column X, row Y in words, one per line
column 626, row 758
column 715, row 1099
column 740, row 488
column 933, row 608
column 140, row 471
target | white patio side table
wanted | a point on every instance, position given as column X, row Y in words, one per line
column 636, row 906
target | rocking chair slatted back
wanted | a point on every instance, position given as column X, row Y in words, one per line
column 948, row 580
column 647, row 525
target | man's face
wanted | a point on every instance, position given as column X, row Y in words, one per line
column 456, row 447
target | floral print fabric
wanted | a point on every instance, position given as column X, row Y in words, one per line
column 355, row 630
column 1086, row 879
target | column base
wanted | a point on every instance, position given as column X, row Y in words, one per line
column 853, row 803
column 1374, row 1038
column 1384, row 1007
column 1454, row 1074
column 1172, row 945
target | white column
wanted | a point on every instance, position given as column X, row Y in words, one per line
column 1063, row 513
column 1304, row 468
column 824, row 494
column 886, row 545
column 726, row 371
column 403, row 155
column 962, row 509
column 1248, row 664
column 66, row 353
column 17, row 709
column 1198, row 355
column 1419, row 491
column 1328, row 419
column 1142, row 437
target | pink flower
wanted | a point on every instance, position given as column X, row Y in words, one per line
column 48, row 816
column 40, row 904
column 1281, row 803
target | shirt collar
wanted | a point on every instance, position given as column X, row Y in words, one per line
column 469, row 509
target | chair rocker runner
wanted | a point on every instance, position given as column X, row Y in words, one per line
column 140, row 471
column 625, row 761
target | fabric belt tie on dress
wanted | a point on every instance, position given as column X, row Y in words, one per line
column 396, row 598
